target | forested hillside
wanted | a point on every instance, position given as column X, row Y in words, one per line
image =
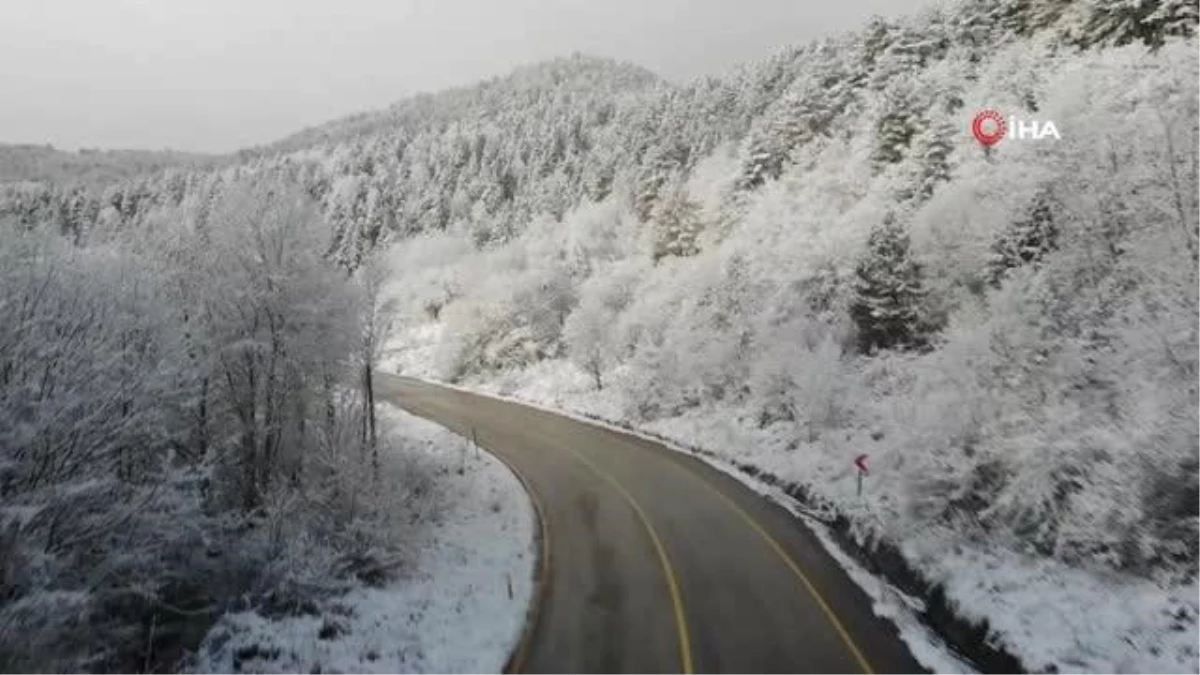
column 485, row 159
column 793, row 263
column 1008, row 332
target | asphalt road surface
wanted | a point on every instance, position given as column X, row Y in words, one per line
column 655, row 562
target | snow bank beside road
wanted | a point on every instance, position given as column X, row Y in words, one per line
column 459, row 606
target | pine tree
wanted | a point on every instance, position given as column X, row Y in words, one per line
column 1025, row 242
column 797, row 119
column 1175, row 18
column 932, row 148
column 677, row 224
column 1043, row 14
column 977, row 23
column 656, row 173
column 1015, row 17
column 874, row 39
column 1119, row 22
column 893, row 136
column 889, row 293
column 764, row 160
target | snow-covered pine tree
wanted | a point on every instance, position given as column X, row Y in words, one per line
column 1119, row 22
column 795, row 121
column 889, row 293
column 1173, row 17
column 1043, row 14
column 677, row 224
column 977, row 23
column 797, row 118
column 651, row 180
column 907, row 53
column 1014, row 17
column 1025, row 242
column 764, row 159
column 872, row 41
column 895, row 130
column 931, row 152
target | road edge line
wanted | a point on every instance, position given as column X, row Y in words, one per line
column 520, row 653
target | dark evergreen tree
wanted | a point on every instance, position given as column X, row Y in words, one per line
column 654, row 176
column 1025, row 242
column 677, row 224
column 889, row 293
column 895, row 130
column 764, row 160
column 1120, row 22
column 932, row 147
column 874, row 40
column 978, row 22
column 1015, row 17
column 1173, row 18
column 1043, row 14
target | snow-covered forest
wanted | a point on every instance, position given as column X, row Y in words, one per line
column 90, row 167
column 801, row 260
column 186, row 430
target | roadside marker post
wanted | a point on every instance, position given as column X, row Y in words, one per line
column 463, row 456
column 861, row 463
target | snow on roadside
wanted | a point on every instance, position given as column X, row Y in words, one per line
column 1052, row 616
column 460, row 607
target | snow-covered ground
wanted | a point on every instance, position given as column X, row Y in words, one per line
column 459, row 606
column 1053, row 617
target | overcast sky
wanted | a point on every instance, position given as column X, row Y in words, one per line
column 216, row 75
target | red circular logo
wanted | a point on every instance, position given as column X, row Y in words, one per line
column 988, row 127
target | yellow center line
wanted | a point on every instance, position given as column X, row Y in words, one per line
column 778, row 548
column 685, row 646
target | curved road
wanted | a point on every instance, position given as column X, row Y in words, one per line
column 656, row 562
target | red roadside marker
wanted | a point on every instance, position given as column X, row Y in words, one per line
column 861, row 463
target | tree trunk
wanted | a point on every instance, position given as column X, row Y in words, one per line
column 369, row 418
column 330, row 405
column 202, row 422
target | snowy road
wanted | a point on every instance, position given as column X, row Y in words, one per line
column 656, row 562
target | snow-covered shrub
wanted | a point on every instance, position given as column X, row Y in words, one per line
column 516, row 297
column 592, row 341
column 431, row 275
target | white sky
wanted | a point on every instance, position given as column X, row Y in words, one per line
column 216, row 75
